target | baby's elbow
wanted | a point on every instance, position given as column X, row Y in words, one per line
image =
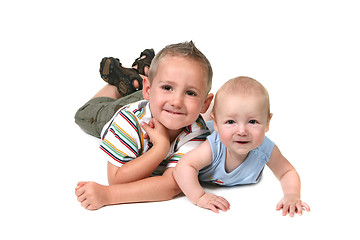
column 173, row 188
column 174, row 191
column 176, row 173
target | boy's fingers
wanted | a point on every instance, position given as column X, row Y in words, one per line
column 152, row 122
column 79, row 185
column 144, row 125
column 81, row 198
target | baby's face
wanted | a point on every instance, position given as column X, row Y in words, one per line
column 241, row 121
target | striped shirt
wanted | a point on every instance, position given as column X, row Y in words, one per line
column 123, row 138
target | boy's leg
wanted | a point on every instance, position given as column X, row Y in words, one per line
column 94, row 114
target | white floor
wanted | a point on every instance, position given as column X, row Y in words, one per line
column 306, row 54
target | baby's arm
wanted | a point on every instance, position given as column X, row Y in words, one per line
column 186, row 175
column 290, row 183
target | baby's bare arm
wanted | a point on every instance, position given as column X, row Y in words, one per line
column 290, row 183
column 186, row 175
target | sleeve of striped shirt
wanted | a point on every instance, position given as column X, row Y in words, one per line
column 124, row 139
column 186, row 147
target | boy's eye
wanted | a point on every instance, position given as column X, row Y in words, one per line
column 252, row 121
column 167, row 88
column 191, row 93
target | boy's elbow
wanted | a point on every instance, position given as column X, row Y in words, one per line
column 119, row 176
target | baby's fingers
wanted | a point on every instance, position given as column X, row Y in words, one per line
column 213, row 208
column 292, row 210
column 224, row 203
column 285, row 210
column 220, row 203
column 279, row 206
column 307, row 208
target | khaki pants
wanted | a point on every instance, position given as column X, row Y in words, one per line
column 94, row 114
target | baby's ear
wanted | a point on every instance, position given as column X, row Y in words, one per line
column 268, row 122
column 146, row 88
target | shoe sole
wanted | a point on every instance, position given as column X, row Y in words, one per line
column 106, row 70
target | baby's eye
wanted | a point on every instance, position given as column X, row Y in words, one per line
column 230, row 122
column 191, row 93
column 252, row 121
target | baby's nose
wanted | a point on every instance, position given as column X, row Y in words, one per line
column 242, row 130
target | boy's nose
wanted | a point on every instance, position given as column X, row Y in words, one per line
column 176, row 101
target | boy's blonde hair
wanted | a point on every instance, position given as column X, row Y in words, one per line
column 241, row 86
column 186, row 50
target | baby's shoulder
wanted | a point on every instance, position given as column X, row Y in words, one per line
column 266, row 147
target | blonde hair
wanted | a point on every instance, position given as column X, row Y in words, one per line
column 241, row 86
column 186, row 50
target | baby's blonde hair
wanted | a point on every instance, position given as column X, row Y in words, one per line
column 186, row 50
column 242, row 86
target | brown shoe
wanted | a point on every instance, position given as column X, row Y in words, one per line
column 113, row 73
column 141, row 63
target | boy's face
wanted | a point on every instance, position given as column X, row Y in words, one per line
column 242, row 124
column 178, row 92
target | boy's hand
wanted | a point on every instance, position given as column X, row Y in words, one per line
column 213, row 202
column 292, row 204
column 92, row 195
column 156, row 132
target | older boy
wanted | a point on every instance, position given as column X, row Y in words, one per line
column 150, row 136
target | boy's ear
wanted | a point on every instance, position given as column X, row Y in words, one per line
column 268, row 122
column 146, row 88
column 207, row 103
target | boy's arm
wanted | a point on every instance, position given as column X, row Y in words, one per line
column 290, row 183
column 142, row 166
column 186, row 176
column 93, row 196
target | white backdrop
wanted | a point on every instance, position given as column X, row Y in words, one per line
column 306, row 53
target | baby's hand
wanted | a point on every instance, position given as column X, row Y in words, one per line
column 213, row 202
column 292, row 205
column 156, row 132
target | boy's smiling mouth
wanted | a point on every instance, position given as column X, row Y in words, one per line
column 173, row 112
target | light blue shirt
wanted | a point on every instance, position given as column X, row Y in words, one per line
column 248, row 172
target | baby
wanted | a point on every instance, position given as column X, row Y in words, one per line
column 237, row 151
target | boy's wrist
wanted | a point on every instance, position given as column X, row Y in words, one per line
column 161, row 148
